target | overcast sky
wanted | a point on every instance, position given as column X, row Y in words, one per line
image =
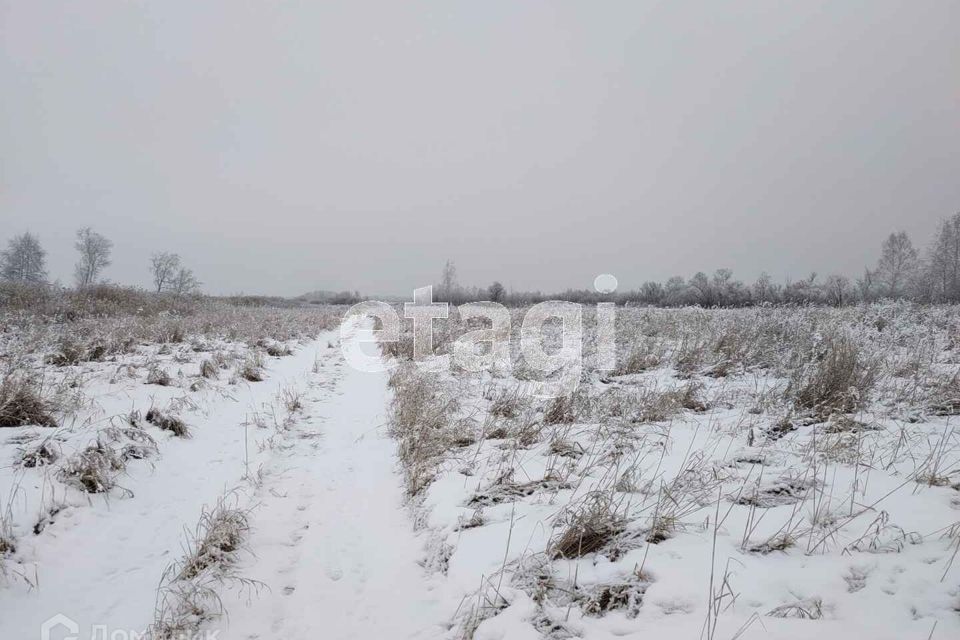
column 286, row 147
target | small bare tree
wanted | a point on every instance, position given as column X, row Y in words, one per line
column 165, row 267
column 837, row 289
column 496, row 292
column 867, row 285
column 897, row 265
column 24, row 260
column 94, row 256
column 943, row 261
column 184, row 282
column 448, row 282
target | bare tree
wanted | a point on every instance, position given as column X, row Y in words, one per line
column 699, row 285
column 164, row 266
column 838, row 290
column 867, row 285
column 94, row 256
column 762, row 288
column 943, row 261
column 898, row 263
column 651, row 292
column 24, row 260
column 184, row 282
column 448, row 282
column 496, row 292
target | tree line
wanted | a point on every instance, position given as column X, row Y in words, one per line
column 24, row 262
column 901, row 273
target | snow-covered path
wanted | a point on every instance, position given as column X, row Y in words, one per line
column 330, row 538
column 100, row 561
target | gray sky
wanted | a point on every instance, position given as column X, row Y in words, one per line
column 281, row 149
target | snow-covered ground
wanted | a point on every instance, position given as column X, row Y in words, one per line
column 334, row 546
column 98, row 558
column 699, row 491
column 688, row 494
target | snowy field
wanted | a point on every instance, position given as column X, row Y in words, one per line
column 225, row 472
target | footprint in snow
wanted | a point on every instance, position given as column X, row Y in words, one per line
column 334, row 573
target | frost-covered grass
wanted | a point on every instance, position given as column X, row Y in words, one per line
column 120, row 418
column 739, row 473
column 764, row 472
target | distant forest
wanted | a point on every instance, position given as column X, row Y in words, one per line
column 901, row 273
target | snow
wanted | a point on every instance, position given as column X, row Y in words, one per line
column 100, row 561
column 337, row 549
column 334, row 545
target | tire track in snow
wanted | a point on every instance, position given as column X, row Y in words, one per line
column 331, row 539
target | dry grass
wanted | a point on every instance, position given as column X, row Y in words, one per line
column 159, row 377
column 589, row 527
column 837, row 378
column 208, row 369
column 21, row 403
column 421, row 419
column 188, row 596
column 168, row 422
column 41, row 455
column 251, row 369
column 94, row 469
column 219, row 535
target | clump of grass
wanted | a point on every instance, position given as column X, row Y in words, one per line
column 945, row 397
column 561, row 410
column 658, row 406
column 159, row 377
column 421, row 421
column 781, row 492
column 94, row 469
column 838, row 380
column 589, row 527
column 278, row 350
column 476, row 519
column 564, row 448
column 168, row 422
column 21, row 403
column 291, row 398
column 41, row 455
column 70, row 351
column 251, row 369
column 778, row 542
column 208, row 369
column 642, row 357
column 505, row 489
column 187, row 597
column 219, row 536
column 138, row 444
column 8, row 543
column 182, row 608
column 811, row 609
column 626, row 596
column 506, row 404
